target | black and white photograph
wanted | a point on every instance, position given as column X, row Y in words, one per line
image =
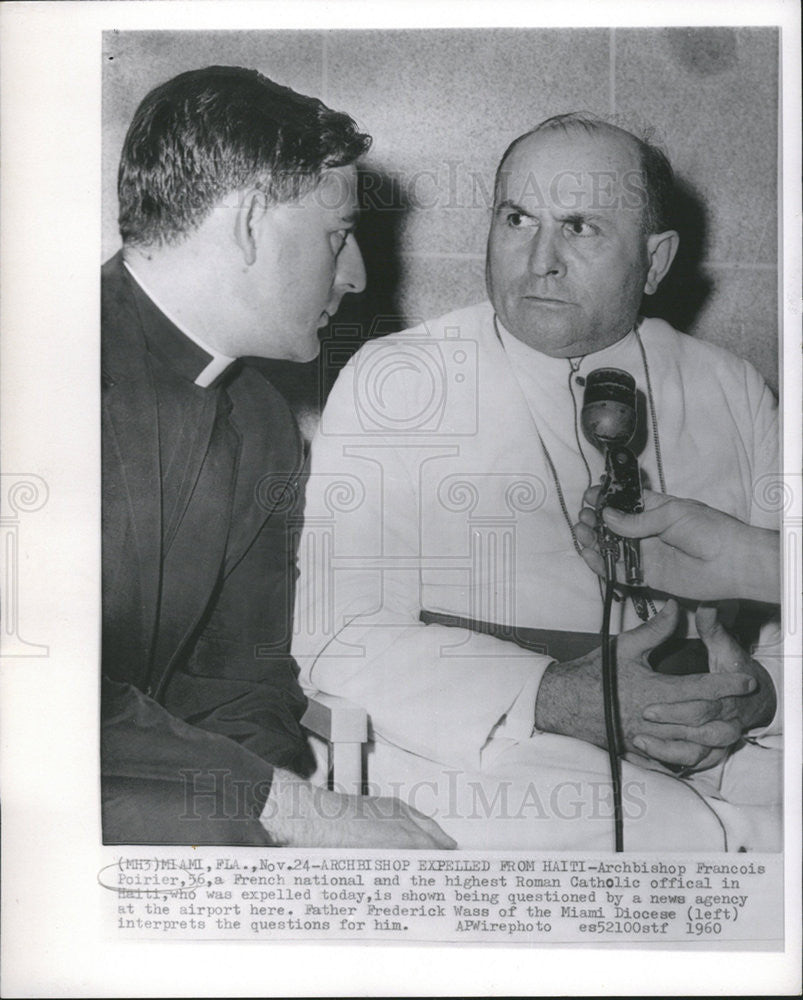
column 448, row 581
column 420, row 482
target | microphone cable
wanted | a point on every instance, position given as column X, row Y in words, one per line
column 610, row 697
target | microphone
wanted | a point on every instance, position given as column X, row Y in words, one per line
column 609, row 418
column 609, row 407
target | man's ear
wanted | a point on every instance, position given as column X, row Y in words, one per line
column 661, row 250
column 250, row 212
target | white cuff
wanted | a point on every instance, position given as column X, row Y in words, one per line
column 519, row 722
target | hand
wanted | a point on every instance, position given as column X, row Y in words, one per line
column 725, row 656
column 690, row 549
column 298, row 814
column 676, row 719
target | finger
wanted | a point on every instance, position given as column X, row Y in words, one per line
column 719, row 733
column 586, row 535
column 714, row 756
column 725, row 655
column 703, row 687
column 711, row 687
column 430, row 827
column 401, row 834
column 594, row 561
column 638, row 641
column 664, row 751
column 414, row 837
column 707, row 621
column 588, row 519
column 687, row 713
column 417, row 837
column 591, row 496
column 362, row 831
column 671, row 751
column 440, row 840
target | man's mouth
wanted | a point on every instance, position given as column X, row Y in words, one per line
column 329, row 312
column 546, row 300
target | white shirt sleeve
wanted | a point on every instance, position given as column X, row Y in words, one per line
column 434, row 690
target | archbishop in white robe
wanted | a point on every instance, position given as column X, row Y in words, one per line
column 445, row 475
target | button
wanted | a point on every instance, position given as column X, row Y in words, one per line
column 579, row 380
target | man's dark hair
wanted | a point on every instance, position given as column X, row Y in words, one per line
column 657, row 175
column 209, row 132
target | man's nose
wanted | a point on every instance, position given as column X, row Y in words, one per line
column 351, row 268
column 546, row 257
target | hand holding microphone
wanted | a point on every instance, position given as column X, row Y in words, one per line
column 689, row 549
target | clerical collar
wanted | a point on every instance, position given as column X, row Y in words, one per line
column 218, row 362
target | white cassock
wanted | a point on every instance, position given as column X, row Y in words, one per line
column 430, row 489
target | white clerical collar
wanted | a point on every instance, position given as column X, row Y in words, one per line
column 218, row 364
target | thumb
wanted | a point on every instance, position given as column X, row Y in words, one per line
column 725, row 655
column 652, row 521
column 707, row 621
column 652, row 633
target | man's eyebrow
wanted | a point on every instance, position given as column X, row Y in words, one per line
column 573, row 216
column 582, row 217
column 508, row 203
column 351, row 218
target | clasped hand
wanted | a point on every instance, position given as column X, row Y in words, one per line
column 699, row 717
column 689, row 720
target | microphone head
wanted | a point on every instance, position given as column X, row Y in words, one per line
column 609, row 407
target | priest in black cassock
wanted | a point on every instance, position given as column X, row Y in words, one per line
column 238, row 201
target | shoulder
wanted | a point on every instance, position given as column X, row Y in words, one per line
column 116, row 299
column 264, row 399
column 417, row 358
column 700, row 360
column 470, row 322
column 259, row 411
column 122, row 346
column 399, row 383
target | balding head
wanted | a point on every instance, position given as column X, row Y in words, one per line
column 571, row 251
column 656, row 181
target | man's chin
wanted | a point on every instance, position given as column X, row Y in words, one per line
column 313, row 354
column 300, row 351
column 559, row 339
column 550, row 338
column 308, row 351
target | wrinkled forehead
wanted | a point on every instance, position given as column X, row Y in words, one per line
column 574, row 170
